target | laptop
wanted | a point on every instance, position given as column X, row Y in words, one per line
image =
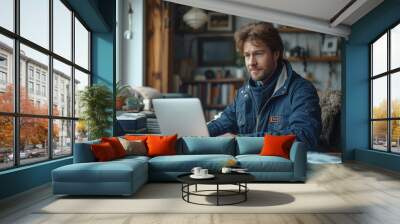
column 182, row 116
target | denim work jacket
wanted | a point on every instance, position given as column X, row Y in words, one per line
column 292, row 109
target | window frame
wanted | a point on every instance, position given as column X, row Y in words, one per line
column 16, row 114
column 388, row 74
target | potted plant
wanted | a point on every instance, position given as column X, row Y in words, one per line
column 120, row 100
column 96, row 104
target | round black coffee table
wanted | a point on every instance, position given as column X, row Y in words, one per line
column 238, row 179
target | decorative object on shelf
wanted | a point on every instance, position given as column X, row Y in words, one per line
column 209, row 74
column 120, row 99
column 195, row 18
column 298, row 52
column 199, row 77
column 96, row 102
column 128, row 34
column 329, row 46
column 216, row 51
column 133, row 104
column 219, row 22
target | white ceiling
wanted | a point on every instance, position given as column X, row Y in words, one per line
column 319, row 9
column 315, row 15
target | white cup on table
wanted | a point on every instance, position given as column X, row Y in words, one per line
column 203, row 172
column 196, row 170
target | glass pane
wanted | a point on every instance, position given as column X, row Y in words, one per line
column 62, row 29
column 6, row 142
column 7, row 14
column 379, row 135
column 62, row 138
column 33, row 139
column 81, row 131
column 379, row 98
column 35, row 21
column 395, row 94
column 62, row 89
column 379, row 55
column 81, row 81
column 395, row 138
column 81, row 45
column 34, row 81
column 6, row 74
column 395, row 47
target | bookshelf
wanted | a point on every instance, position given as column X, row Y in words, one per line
column 315, row 59
column 214, row 94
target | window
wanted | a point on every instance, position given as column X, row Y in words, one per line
column 43, row 90
column 385, row 94
column 30, row 87
column 30, row 72
column 54, row 126
column 38, row 89
column 3, row 61
column 3, row 78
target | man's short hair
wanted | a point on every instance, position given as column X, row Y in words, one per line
column 259, row 31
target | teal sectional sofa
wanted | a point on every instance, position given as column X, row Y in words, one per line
column 125, row 176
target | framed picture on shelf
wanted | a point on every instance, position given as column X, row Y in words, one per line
column 329, row 47
column 216, row 51
column 219, row 22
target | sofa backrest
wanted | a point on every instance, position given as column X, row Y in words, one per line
column 249, row 145
column 206, row 145
column 83, row 152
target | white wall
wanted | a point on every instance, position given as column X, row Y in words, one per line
column 130, row 53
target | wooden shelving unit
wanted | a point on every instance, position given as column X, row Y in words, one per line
column 224, row 80
column 215, row 94
column 315, row 59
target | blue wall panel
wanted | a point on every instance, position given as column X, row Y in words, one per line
column 24, row 178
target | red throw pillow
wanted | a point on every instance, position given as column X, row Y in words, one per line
column 116, row 145
column 136, row 137
column 103, row 151
column 277, row 145
column 161, row 145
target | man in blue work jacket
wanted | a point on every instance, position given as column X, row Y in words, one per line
column 275, row 100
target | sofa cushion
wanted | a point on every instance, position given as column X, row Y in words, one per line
column 116, row 145
column 208, row 145
column 249, row 145
column 161, row 145
column 103, row 151
column 83, row 152
column 257, row 163
column 185, row 163
column 277, row 145
column 134, row 147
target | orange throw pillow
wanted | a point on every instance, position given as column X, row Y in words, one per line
column 161, row 145
column 116, row 145
column 277, row 145
column 136, row 137
column 103, row 151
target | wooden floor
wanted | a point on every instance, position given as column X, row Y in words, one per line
column 377, row 188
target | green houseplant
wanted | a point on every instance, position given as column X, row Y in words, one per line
column 96, row 104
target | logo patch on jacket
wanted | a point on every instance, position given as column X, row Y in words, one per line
column 275, row 119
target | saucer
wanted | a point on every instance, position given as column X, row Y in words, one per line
column 208, row 176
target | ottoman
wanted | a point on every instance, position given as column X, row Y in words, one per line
column 119, row 177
